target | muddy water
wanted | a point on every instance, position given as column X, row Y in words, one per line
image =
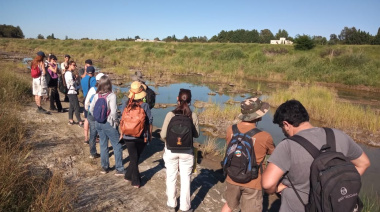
column 168, row 95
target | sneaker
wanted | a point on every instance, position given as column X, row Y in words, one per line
column 104, row 171
column 119, row 173
column 94, row 156
column 41, row 110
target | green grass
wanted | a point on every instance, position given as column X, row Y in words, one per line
column 345, row 64
column 323, row 106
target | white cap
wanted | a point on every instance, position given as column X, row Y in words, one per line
column 99, row 76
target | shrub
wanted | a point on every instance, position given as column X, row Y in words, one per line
column 303, row 42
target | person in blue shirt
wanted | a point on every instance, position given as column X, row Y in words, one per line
column 87, row 82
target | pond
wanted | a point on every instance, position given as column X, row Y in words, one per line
column 168, row 95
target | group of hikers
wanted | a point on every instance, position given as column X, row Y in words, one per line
column 313, row 169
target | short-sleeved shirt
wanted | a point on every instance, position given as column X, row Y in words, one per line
column 293, row 159
column 84, row 84
column 263, row 145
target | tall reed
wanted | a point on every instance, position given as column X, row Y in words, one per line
column 322, row 105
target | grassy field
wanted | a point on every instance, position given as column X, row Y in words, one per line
column 348, row 65
column 23, row 185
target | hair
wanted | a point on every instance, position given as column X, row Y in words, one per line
column 184, row 99
column 291, row 111
column 105, row 85
column 69, row 63
column 36, row 61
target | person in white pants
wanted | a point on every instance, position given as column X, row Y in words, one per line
column 179, row 159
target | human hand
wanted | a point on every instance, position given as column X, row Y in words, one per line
column 280, row 188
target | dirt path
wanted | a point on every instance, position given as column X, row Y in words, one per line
column 60, row 148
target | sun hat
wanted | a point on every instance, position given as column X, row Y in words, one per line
column 90, row 70
column 138, row 77
column 99, row 76
column 137, row 90
column 253, row 108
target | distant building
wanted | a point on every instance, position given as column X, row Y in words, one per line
column 147, row 40
column 281, row 41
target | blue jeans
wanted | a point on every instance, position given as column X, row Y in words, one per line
column 106, row 131
column 93, row 133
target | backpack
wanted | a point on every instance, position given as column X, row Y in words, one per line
column 35, row 72
column 150, row 97
column 239, row 163
column 180, row 133
column 132, row 121
column 101, row 111
column 62, row 84
column 334, row 181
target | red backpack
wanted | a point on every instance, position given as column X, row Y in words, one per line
column 133, row 120
column 35, row 72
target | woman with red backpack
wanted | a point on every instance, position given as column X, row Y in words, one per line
column 136, row 130
column 104, row 110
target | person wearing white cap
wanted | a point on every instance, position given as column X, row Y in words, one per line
column 90, row 118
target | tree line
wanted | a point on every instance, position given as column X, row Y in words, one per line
column 349, row 36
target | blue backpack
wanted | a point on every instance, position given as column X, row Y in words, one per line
column 101, row 109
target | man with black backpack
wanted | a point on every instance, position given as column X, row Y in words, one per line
column 314, row 169
column 247, row 147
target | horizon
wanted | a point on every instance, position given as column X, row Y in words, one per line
column 150, row 19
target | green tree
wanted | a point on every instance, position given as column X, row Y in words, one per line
column 376, row 39
column 303, row 42
column 137, row 37
column 333, row 39
column 319, row 40
column 282, row 33
column 9, row 31
column 50, row 36
column 185, row 39
column 265, row 36
column 39, row 36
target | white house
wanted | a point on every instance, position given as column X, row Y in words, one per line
column 281, row 41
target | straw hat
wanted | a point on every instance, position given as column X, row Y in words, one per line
column 137, row 90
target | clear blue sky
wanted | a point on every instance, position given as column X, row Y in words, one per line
column 113, row 19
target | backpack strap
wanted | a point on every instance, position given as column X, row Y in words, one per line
column 330, row 138
column 306, row 144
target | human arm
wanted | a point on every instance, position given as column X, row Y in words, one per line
column 113, row 106
column 270, row 179
column 361, row 163
column 88, row 97
column 196, row 125
column 92, row 104
column 164, row 128
column 53, row 67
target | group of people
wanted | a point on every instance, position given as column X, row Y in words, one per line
column 288, row 160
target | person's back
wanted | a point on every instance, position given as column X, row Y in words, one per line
column 248, row 195
column 291, row 158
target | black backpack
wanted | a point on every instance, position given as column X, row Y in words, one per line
column 180, row 133
column 334, row 181
column 239, row 163
column 62, row 84
column 150, row 97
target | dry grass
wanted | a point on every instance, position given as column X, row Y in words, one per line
column 322, row 105
column 23, row 186
column 220, row 112
column 209, row 146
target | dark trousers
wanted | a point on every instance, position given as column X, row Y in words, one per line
column 54, row 97
column 135, row 148
column 74, row 107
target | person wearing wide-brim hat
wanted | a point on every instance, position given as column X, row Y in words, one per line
column 249, row 195
column 136, row 145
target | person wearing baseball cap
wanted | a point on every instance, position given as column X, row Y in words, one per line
column 87, row 83
column 249, row 195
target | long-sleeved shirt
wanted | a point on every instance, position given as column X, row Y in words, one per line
column 87, row 102
column 70, row 83
column 112, row 118
column 169, row 116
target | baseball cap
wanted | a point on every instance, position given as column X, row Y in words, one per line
column 41, row 53
column 90, row 70
column 99, row 76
